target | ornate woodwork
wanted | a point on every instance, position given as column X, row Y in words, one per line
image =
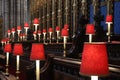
column 58, row 67
column 58, row 12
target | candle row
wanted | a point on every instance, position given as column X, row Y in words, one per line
column 91, row 31
column 37, row 34
column 37, row 53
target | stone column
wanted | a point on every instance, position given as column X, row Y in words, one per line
column 109, row 4
column 43, row 17
column 40, row 17
column 11, row 13
column 66, row 11
column 48, row 15
column 5, row 13
column 26, row 11
column 18, row 12
column 14, row 13
column 95, row 9
column 74, row 17
column 59, row 13
column 22, row 8
column 53, row 17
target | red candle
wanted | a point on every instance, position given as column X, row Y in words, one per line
column 66, row 26
column 9, row 31
column 36, row 21
column 13, row 29
column 26, row 25
column 109, row 18
column 57, row 28
column 44, row 30
column 90, row 29
column 18, row 27
column 64, row 32
column 50, row 30
column 39, row 32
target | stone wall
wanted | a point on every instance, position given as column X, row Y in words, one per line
column 12, row 14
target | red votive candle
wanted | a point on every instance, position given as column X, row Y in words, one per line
column 39, row 32
column 57, row 28
column 50, row 30
column 36, row 21
column 90, row 29
column 64, row 32
column 9, row 31
column 34, row 33
column 26, row 25
column 13, row 29
column 18, row 27
column 44, row 30
column 109, row 18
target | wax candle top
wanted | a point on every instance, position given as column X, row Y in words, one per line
column 109, row 18
column 13, row 29
column 39, row 32
column 18, row 27
column 8, row 31
column 50, row 30
column 57, row 28
column 44, row 30
column 90, row 29
column 26, row 25
column 36, row 21
column 64, row 32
